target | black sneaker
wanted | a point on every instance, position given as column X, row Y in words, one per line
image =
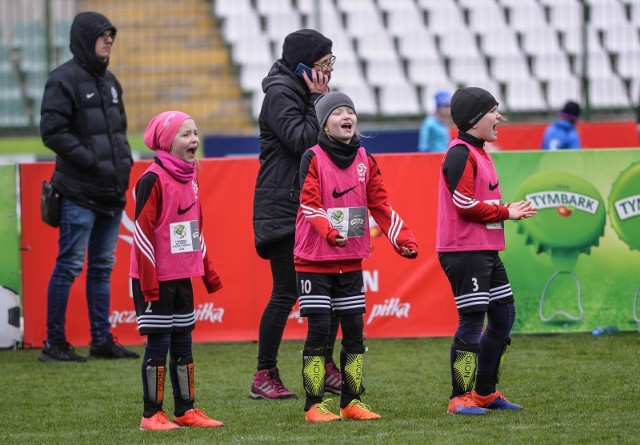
column 111, row 349
column 59, row 352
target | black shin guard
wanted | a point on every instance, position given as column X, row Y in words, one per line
column 153, row 375
column 182, row 378
column 351, row 362
column 487, row 380
column 464, row 362
column 313, row 372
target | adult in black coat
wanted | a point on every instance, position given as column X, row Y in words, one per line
column 288, row 127
column 83, row 121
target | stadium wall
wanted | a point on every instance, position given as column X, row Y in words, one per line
column 618, row 134
column 572, row 267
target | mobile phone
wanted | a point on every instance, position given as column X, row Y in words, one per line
column 303, row 68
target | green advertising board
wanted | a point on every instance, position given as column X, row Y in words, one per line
column 576, row 264
column 9, row 235
column 10, row 280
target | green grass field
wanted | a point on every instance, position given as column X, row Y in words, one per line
column 576, row 389
column 33, row 145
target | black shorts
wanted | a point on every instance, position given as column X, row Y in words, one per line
column 478, row 279
column 321, row 293
column 173, row 312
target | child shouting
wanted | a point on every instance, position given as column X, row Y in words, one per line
column 339, row 180
column 168, row 249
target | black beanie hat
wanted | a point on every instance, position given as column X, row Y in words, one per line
column 570, row 111
column 305, row 46
column 469, row 104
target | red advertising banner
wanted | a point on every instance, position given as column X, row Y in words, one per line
column 405, row 298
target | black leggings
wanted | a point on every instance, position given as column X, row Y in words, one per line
column 284, row 295
column 319, row 330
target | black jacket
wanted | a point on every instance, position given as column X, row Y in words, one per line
column 288, row 127
column 83, row 121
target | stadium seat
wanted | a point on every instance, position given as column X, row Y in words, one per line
column 402, row 22
column 397, row 5
column 572, row 40
column 34, row 84
column 242, row 26
column 226, row 8
column 363, row 98
column 526, row 15
column 252, row 73
column 13, row 113
column 484, row 12
column 399, row 100
column 61, row 41
column 458, row 45
column 564, row 14
column 598, row 64
column 268, row 7
column 417, row 45
column 28, row 34
column 376, row 46
column 559, row 90
column 252, row 50
column 364, row 23
column 426, row 71
column 608, row 92
column 468, row 70
column 279, row 24
column 360, row 6
column 384, row 72
column 635, row 13
column 347, row 73
column 33, row 60
column 540, row 41
column 442, row 16
column 551, row 66
column 499, row 42
column 524, row 94
column 9, row 85
column 6, row 64
column 606, row 14
column 629, row 65
column 621, row 39
column 508, row 68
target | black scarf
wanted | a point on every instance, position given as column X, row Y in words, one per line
column 342, row 154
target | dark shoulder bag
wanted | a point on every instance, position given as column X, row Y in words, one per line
column 50, row 201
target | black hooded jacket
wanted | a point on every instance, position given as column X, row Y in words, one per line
column 83, row 121
column 288, row 127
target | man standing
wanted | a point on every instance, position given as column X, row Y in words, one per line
column 83, row 121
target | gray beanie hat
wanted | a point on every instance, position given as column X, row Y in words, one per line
column 468, row 105
column 326, row 103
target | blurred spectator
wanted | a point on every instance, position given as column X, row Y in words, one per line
column 434, row 132
column 562, row 133
column 638, row 119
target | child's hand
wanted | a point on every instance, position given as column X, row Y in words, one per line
column 406, row 252
column 521, row 210
column 341, row 241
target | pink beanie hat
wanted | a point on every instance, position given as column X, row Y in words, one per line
column 162, row 130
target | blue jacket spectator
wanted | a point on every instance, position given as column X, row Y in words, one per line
column 562, row 133
column 434, row 133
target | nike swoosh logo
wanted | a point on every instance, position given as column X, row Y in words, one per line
column 182, row 211
column 493, row 187
column 90, row 95
column 337, row 194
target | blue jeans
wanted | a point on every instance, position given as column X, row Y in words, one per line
column 82, row 230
